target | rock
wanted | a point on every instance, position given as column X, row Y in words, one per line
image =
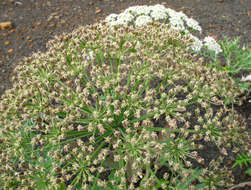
column 49, row 18
column 5, row 25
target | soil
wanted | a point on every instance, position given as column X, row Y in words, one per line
column 34, row 22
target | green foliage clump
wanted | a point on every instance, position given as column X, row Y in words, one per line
column 118, row 108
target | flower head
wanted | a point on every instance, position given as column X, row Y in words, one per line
column 158, row 14
column 138, row 10
column 124, row 18
column 177, row 23
column 193, row 24
column 211, row 44
column 142, row 20
column 111, row 18
column 197, row 43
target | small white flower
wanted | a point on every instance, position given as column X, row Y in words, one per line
column 137, row 45
column 142, row 20
column 143, row 10
column 132, row 10
column 159, row 7
column 193, row 24
column 176, row 14
column 114, row 23
column 247, row 78
column 171, row 12
column 111, row 18
column 125, row 18
column 90, row 55
column 158, row 14
column 197, row 43
column 211, row 44
column 177, row 23
column 137, row 10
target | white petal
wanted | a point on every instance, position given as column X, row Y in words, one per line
column 247, row 78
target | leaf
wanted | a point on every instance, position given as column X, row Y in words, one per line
column 248, row 171
column 69, row 60
column 62, row 187
column 41, row 185
column 227, row 101
column 132, row 50
column 121, row 43
column 83, row 44
column 242, row 159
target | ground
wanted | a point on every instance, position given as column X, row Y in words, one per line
column 34, row 22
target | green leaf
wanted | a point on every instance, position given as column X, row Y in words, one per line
column 121, row 43
column 227, row 101
column 83, row 44
column 132, row 50
column 244, row 86
column 248, row 171
column 200, row 186
column 62, row 187
column 242, row 159
column 41, row 185
column 68, row 60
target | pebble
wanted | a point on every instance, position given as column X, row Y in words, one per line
column 10, row 50
column 5, row 25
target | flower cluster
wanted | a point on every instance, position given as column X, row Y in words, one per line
column 212, row 45
column 142, row 20
column 197, row 43
column 142, row 15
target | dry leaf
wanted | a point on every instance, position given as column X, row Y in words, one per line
column 5, row 25
column 98, row 10
column 7, row 42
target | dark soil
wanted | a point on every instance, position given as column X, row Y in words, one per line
column 34, row 22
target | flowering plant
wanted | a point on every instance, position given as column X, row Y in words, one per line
column 141, row 15
column 124, row 108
